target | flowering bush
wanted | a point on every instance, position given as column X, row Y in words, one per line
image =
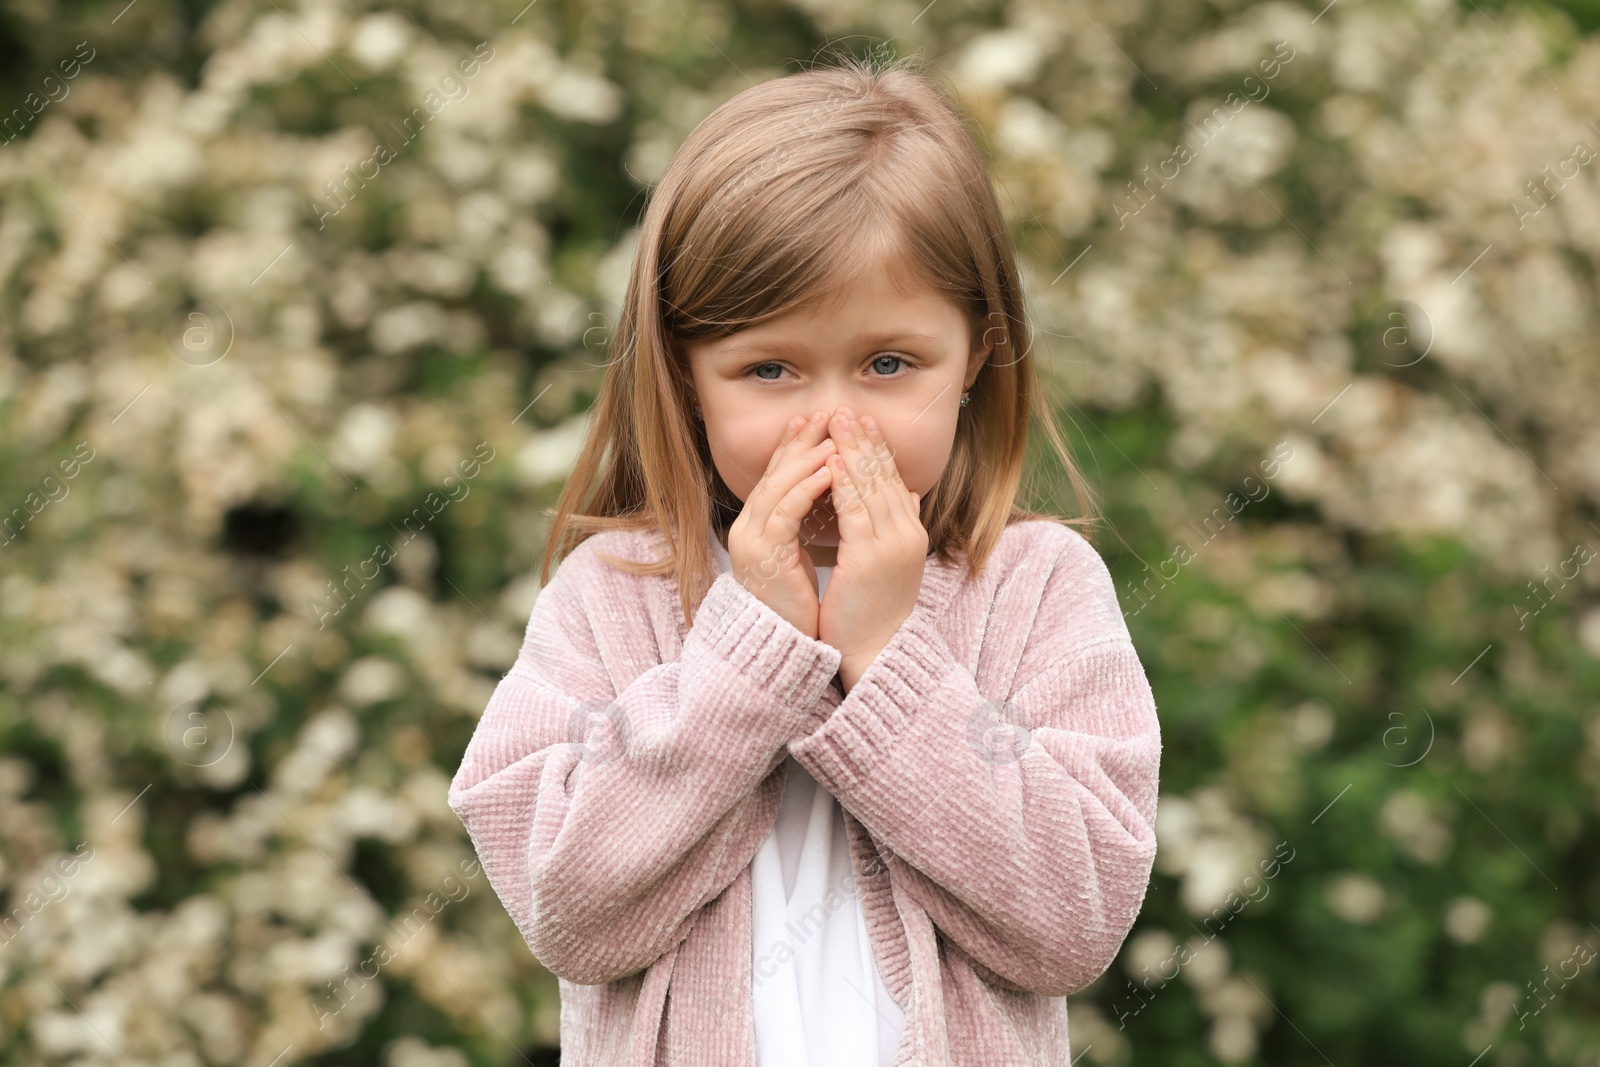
column 303, row 308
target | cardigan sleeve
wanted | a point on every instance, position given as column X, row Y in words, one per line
column 1025, row 828
column 605, row 820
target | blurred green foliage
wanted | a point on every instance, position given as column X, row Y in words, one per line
column 1342, row 669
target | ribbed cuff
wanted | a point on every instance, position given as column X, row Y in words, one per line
column 848, row 740
column 763, row 645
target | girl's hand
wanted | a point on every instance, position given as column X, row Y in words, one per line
column 882, row 548
column 763, row 542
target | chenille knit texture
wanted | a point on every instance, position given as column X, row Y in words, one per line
column 997, row 765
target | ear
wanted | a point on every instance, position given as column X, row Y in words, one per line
column 986, row 334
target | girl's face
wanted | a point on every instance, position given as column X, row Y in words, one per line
column 888, row 347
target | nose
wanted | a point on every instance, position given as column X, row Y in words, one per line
column 827, row 408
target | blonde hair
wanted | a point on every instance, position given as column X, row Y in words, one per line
column 781, row 194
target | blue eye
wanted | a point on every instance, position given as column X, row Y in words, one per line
column 878, row 363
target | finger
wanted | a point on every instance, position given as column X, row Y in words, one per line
column 785, row 470
column 813, row 431
column 803, row 464
column 816, row 426
column 816, row 517
column 792, row 509
column 775, row 488
column 872, row 441
column 789, row 430
column 848, row 504
column 866, row 471
column 843, row 435
column 895, row 493
column 792, row 429
column 801, row 431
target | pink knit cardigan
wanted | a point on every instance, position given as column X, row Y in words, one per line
column 997, row 765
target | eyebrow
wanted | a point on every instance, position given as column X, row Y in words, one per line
column 872, row 340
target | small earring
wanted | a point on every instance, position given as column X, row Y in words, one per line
column 964, row 398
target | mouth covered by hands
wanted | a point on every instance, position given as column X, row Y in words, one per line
column 763, row 541
column 882, row 546
column 882, row 543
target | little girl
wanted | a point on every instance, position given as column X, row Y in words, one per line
column 818, row 749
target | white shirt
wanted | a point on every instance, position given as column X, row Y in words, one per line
column 819, row 999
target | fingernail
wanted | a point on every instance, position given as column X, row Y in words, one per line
column 818, row 416
column 867, row 423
